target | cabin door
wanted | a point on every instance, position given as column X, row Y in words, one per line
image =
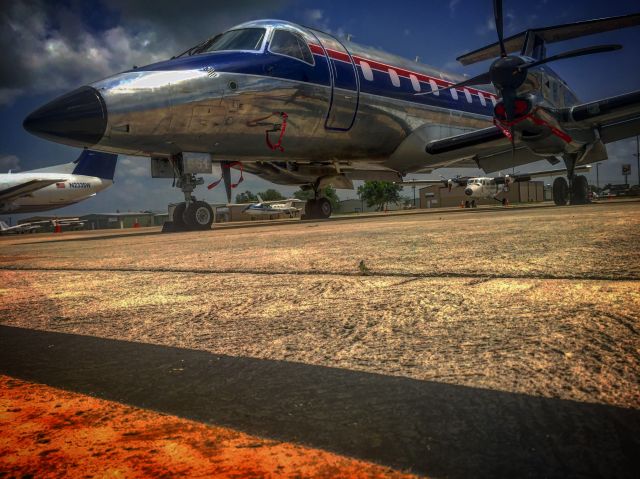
column 345, row 84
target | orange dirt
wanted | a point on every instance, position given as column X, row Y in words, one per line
column 48, row 432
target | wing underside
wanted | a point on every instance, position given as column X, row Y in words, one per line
column 488, row 148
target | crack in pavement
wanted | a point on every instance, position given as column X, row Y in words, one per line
column 482, row 277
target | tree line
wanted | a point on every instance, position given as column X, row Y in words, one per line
column 378, row 194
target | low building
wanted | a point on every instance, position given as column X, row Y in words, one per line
column 360, row 206
column 438, row 196
column 119, row 220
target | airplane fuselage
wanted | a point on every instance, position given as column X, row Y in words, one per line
column 72, row 189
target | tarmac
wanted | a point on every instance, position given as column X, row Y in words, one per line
column 497, row 342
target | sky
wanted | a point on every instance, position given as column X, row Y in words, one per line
column 49, row 48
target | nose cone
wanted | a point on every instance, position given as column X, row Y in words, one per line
column 468, row 192
column 78, row 118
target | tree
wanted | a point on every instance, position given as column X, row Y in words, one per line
column 379, row 193
column 329, row 192
column 271, row 195
column 246, row 197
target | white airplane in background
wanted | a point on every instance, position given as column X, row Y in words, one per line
column 57, row 186
column 5, row 229
column 266, row 208
column 483, row 187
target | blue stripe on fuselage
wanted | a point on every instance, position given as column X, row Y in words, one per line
column 278, row 66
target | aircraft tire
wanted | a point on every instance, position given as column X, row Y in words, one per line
column 178, row 221
column 198, row 216
column 466, row 204
column 580, row 190
column 560, row 191
column 473, row 204
column 323, row 208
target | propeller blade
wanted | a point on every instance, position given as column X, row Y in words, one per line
column 497, row 14
column 482, row 79
column 572, row 54
column 226, row 177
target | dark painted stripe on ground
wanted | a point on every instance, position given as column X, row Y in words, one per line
column 434, row 428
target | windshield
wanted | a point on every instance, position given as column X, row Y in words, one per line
column 245, row 39
column 242, row 39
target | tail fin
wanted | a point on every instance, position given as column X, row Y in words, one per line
column 96, row 163
column 260, row 200
column 3, row 226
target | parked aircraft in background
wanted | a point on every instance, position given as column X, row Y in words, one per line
column 482, row 187
column 297, row 106
column 57, row 186
column 267, row 208
column 5, row 229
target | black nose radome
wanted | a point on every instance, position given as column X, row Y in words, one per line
column 468, row 192
column 78, row 118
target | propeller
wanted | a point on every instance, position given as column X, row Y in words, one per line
column 507, row 73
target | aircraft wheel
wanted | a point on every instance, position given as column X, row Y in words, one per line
column 198, row 216
column 323, row 208
column 466, row 204
column 473, row 204
column 580, row 191
column 504, row 202
column 560, row 191
column 178, row 221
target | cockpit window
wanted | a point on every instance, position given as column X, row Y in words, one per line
column 242, row 39
column 289, row 44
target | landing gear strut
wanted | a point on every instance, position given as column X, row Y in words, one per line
column 191, row 215
column 317, row 207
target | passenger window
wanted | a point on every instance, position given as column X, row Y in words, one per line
column 467, row 94
column 434, row 87
column 395, row 79
column 483, row 102
column 454, row 93
column 414, row 82
column 289, row 44
column 367, row 73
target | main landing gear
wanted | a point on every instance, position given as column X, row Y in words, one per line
column 318, row 207
column 575, row 191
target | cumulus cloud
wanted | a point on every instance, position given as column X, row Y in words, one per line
column 9, row 162
column 51, row 47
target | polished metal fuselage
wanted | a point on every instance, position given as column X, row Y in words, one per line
column 159, row 113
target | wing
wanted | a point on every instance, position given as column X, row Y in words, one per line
column 615, row 118
column 538, row 174
column 487, row 148
column 26, row 188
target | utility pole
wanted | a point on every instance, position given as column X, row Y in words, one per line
column 414, row 194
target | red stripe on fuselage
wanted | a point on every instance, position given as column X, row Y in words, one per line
column 383, row 67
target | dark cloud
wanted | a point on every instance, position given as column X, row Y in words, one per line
column 50, row 47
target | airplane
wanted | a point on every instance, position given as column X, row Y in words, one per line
column 484, row 187
column 266, row 208
column 297, row 106
column 57, row 186
column 24, row 228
